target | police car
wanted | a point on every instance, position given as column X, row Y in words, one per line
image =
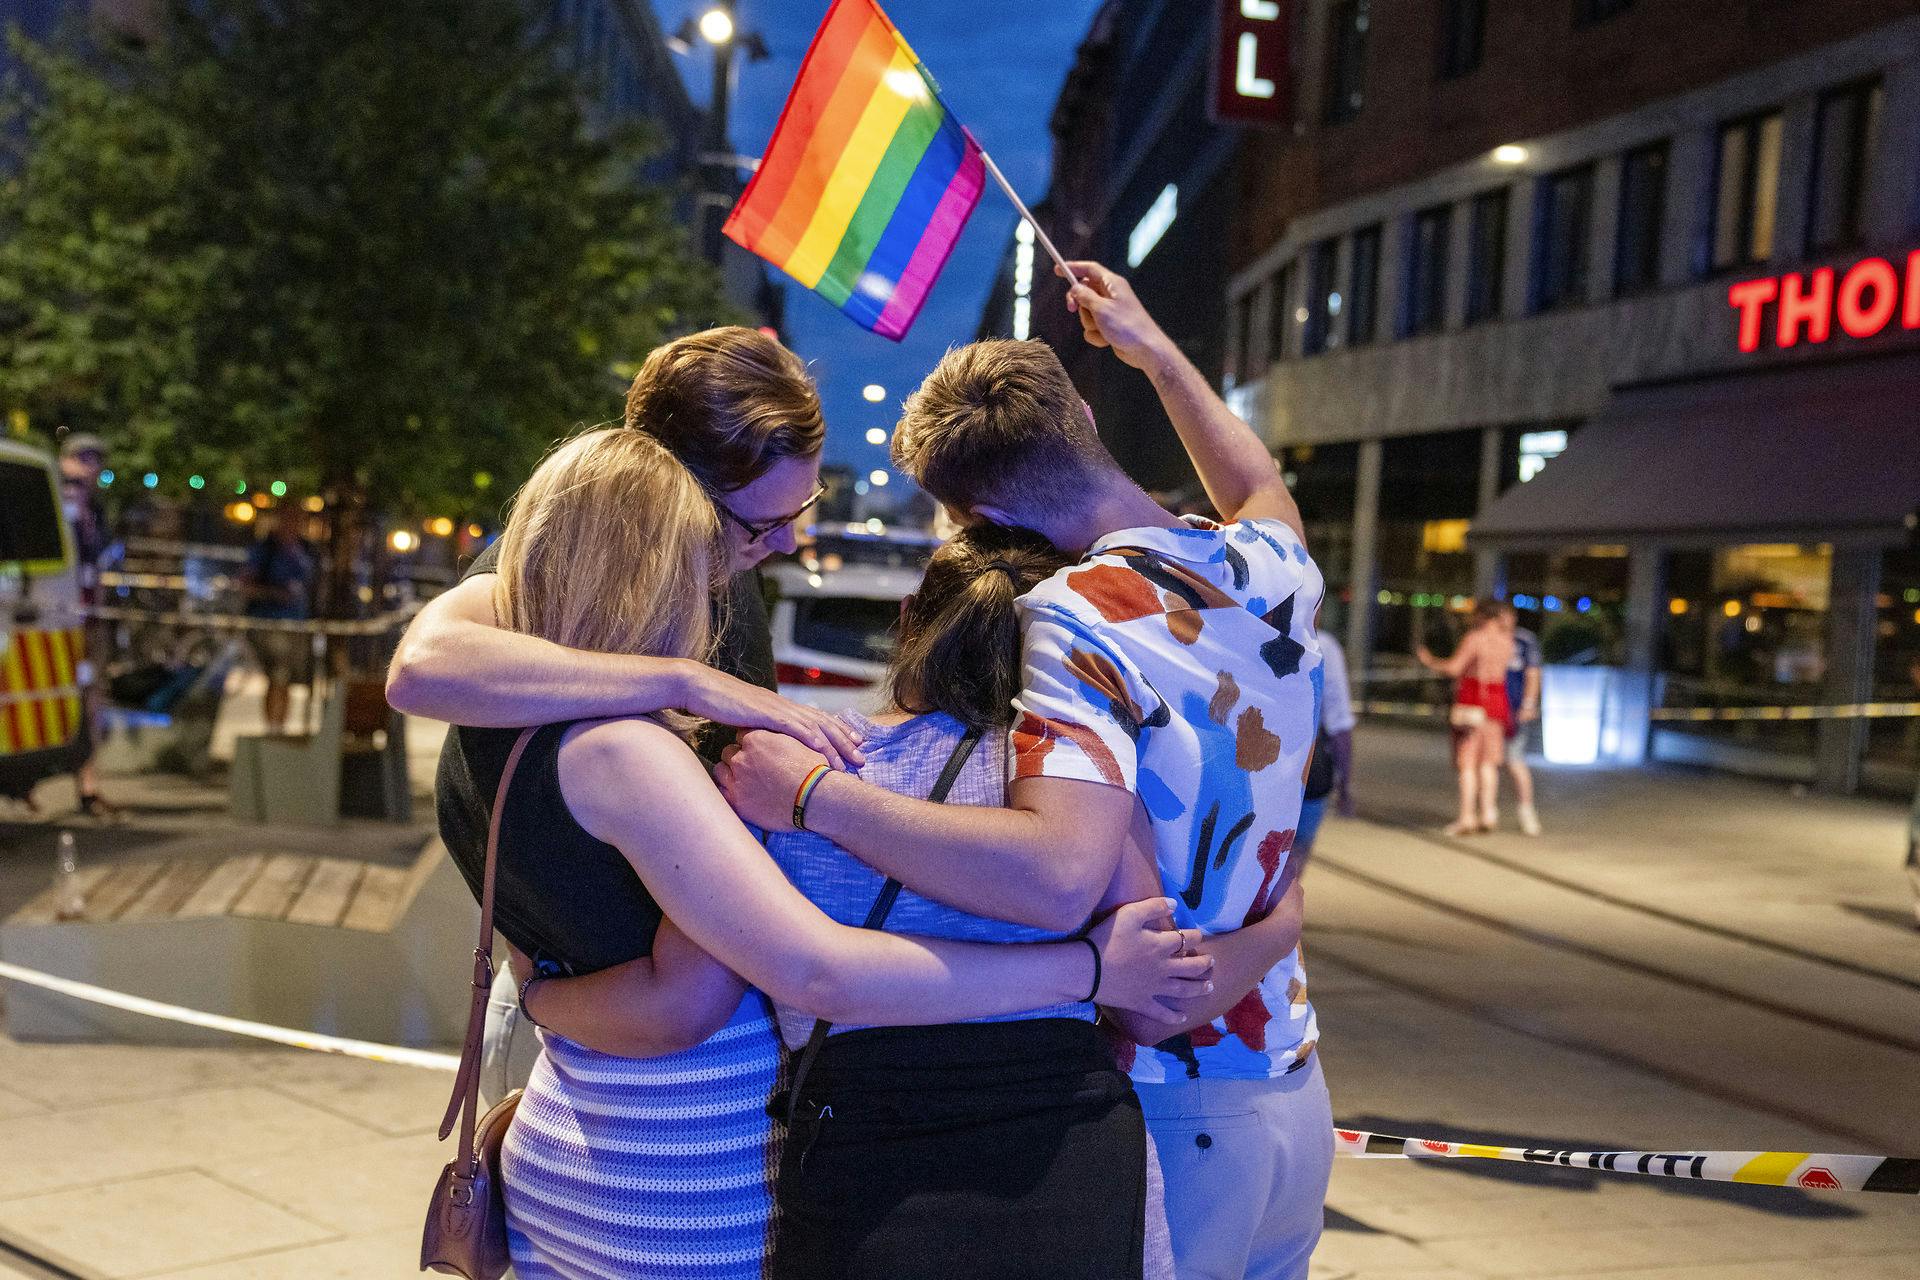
column 41, row 718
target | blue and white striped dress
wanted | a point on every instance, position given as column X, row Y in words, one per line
column 646, row 1168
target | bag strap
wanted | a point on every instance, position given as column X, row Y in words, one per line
column 465, row 1102
column 877, row 916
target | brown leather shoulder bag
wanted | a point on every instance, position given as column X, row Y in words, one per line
column 466, row 1231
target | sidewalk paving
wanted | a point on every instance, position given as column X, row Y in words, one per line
column 125, row 1161
column 129, row 1161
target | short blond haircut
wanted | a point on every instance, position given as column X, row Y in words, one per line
column 1000, row 423
column 612, row 547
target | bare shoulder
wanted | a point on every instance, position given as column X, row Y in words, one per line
column 470, row 599
column 611, row 769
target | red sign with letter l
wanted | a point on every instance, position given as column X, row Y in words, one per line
column 1250, row 82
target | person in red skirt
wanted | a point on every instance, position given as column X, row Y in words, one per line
column 1481, row 716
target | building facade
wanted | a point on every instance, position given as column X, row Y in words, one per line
column 1141, row 181
column 626, row 71
column 1612, row 307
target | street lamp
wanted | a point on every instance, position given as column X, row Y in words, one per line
column 716, row 25
column 717, row 161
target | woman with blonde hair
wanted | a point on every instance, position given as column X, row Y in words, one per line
column 615, row 848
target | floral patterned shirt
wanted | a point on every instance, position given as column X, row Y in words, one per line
column 1181, row 664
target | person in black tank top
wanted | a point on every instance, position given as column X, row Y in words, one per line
column 562, row 896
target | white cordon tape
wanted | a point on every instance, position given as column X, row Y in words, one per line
column 1848, row 711
column 396, row 1054
column 1377, row 707
column 376, row 626
column 1812, row 1170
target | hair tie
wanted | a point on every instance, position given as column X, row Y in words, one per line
column 1003, row 566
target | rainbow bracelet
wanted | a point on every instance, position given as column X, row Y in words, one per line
column 805, row 793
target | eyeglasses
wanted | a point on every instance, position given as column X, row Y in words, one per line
column 758, row 529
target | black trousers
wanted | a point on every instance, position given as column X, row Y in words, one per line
column 994, row 1151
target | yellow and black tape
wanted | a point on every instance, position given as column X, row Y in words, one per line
column 1810, row 1170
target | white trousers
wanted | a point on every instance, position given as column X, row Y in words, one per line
column 1246, row 1164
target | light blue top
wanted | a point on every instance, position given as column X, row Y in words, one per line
column 906, row 759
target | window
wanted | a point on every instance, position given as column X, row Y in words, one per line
column 1363, row 286
column 29, row 520
column 1746, row 191
column 1323, row 299
column 1845, row 130
column 1643, row 207
column 1347, row 68
column 846, row 626
column 1463, row 28
column 1425, row 308
column 1562, row 225
column 1487, row 255
column 1279, row 312
column 1588, row 12
column 1537, row 449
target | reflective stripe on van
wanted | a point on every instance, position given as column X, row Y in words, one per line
column 40, row 690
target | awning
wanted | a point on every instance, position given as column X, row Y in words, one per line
column 1809, row 453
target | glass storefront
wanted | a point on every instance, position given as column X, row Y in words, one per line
column 1742, row 628
column 1574, row 600
column 1746, row 627
column 1893, row 743
column 1429, row 491
column 1322, row 478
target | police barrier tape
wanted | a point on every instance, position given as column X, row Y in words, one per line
column 1845, row 711
column 1813, row 1170
column 1848, row 711
column 236, row 1026
column 375, row 626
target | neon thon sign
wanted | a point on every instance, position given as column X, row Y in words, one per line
column 1864, row 301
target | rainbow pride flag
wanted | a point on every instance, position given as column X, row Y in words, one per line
column 869, row 179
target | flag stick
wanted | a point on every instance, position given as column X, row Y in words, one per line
column 1027, row 213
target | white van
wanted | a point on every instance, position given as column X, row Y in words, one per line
column 833, row 632
column 41, row 717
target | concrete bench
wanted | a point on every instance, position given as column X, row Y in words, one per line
column 355, row 764
column 327, row 944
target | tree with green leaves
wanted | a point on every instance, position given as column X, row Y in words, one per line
column 379, row 251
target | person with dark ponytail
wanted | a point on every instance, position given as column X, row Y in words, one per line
column 1004, row 1147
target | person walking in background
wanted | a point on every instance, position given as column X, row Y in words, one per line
column 277, row 582
column 1523, row 696
column 1481, row 715
column 1330, row 777
column 82, row 458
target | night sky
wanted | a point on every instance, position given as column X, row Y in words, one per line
column 1000, row 64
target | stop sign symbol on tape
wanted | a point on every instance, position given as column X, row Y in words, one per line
column 1819, row 1179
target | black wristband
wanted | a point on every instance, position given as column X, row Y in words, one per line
column 1094, row 993
column 525, row 987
